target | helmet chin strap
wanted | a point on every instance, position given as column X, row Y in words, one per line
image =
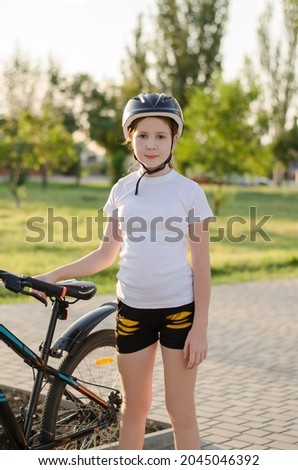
column 151, row 171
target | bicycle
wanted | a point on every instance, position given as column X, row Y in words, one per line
column 82, row 402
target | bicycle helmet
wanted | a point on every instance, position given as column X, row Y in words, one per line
column 151, row 104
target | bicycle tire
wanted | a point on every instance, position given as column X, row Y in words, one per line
column 93, row 363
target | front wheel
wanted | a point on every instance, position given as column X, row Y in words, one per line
column 66, row 410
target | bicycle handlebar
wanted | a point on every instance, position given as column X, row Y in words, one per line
column 83, row 290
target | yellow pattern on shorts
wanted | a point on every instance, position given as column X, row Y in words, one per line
column 179, row 320
column 126, row 327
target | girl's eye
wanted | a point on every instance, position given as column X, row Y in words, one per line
column 158, row 137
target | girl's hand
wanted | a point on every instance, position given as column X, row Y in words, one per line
column 47, row 277
column 196, row 347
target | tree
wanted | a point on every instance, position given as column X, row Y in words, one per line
column 220, row 138
column 52, row 146
column 276, row 73
column 33, row 130
column 21, row 83
column 104, row 118
column 34, row 141
column 97, row 115
column 286, row 146
column 15, row 155
column 135, row 67
column 187, row 45
column 55, row 107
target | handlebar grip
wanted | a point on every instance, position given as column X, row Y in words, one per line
column 51, row 290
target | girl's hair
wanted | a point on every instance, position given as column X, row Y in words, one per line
column 169, row 121
column 172, row 125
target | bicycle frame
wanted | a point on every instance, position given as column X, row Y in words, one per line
column 20, row 436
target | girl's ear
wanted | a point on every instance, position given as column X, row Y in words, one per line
column 175, row 139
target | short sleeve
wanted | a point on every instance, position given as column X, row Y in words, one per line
column 110, row 206
column 198, row 208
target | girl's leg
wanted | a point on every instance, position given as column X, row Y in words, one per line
column 180, row 401
column 136, row 370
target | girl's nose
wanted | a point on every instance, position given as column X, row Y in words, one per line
column 150, row 143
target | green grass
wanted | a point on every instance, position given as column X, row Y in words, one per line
column 267, row 221
column 42, row 234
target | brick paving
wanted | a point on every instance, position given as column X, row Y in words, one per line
column 247, row 389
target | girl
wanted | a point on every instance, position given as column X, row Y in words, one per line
column 156, row 222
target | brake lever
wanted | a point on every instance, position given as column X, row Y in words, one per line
column 36, row 296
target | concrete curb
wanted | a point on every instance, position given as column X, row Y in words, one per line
column 164, row 440
column 159, row 440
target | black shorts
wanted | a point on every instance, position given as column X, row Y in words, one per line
column 137, row 328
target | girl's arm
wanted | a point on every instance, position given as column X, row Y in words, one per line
column 92, row 263
column 196, row 346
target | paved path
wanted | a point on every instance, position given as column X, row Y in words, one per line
column 247, row 389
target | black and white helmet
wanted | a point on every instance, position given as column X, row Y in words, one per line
column 151, row 104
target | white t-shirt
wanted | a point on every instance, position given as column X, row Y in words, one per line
column 154, row 270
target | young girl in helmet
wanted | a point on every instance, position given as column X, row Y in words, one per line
column 157, row 218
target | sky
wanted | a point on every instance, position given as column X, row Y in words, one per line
column 90, row 36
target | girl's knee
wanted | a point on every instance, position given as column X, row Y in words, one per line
column 136, row 409
column 182, row 416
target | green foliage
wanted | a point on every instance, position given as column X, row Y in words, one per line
column 99, row 118
column 39, row 134
column 118, row 165
column 278, row 61
column 220, row 138
column 286, row 146
column 32, row 142
column 275, row 71
column 187, row 44
column 135, row 65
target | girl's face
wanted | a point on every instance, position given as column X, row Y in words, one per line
column 152, row 141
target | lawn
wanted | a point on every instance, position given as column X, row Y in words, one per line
column 254, row 237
